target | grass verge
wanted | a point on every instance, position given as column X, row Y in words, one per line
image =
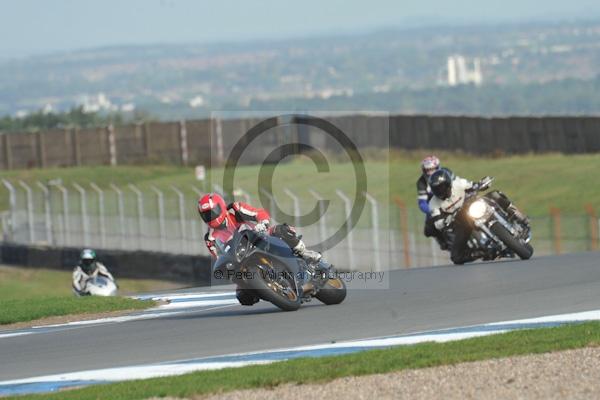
column 29, row 283
column 319, row 370
column 24, row 310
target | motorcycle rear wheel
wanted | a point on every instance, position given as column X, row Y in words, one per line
column 523, row 250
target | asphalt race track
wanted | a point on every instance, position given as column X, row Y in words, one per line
column 416, row 300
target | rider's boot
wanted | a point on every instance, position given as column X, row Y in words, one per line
column 309, row 256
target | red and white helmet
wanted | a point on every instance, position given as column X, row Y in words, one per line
column 212, row 209
column 429, row 165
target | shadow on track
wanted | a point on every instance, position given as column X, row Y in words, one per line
column 261, row 308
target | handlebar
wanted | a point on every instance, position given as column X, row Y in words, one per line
column 483, row 184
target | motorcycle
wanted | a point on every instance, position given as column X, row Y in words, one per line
column 497, row 232
column 101, row 286
column 267, row 267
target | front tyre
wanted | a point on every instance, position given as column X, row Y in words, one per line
column 280, row 292
column 333, row 292
column 523, row 250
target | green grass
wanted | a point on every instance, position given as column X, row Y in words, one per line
column 320, row 370
column 24, row 310
column 535, row 182
column 31, row 283
column 27, row 294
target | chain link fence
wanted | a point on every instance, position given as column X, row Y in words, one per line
column 165, row 219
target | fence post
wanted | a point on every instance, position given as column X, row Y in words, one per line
column 272, row 209
column 112, row 145
column 296, row 202
column 218, row 131
column 48, row 217
column 556, row 229
column 84, row 214
column 75, row 146
column 100, row 213
column 199, row 193
column 593, row 226
column 181, row 217
column 434, row 251
column 161, row 216
column 12, row 199
column 349, row 236
column 140, row 212
column 147, row 136
column 404, row 229
column 8, row 161
column 65, row 206
column 322, row 220
column 41, row 149
column 193, row 224
column 183, row 142
column 194, row 236
column 375, row 229
column 121, row 212
column 30, row 222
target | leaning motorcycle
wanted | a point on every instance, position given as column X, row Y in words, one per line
column 267, row 266
column 497, row 233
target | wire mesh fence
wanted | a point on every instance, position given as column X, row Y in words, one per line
column 165, row 219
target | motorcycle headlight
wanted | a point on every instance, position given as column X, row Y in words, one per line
column 477, row 209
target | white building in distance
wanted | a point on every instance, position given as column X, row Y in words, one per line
column 462, row 72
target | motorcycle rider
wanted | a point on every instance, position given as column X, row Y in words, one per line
column 88, row 267
column 447, row 210
column 223, row 220
column 429, row 165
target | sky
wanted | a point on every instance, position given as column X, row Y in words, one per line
column 29, row 27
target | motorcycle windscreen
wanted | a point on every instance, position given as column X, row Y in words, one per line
column 100, row 281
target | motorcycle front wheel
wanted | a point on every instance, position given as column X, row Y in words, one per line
column 333, row 292
column 279, row 291
column 523, row 250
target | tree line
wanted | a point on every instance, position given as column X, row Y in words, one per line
column 76, row 117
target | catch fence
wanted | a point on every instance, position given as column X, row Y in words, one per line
column 164, row 219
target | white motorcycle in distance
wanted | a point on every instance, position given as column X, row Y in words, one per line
column 101, row 286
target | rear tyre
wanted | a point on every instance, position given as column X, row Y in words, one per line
column 523, row 250
column 271, row 291
column 333, row 292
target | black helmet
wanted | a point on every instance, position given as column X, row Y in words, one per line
column 440, row 183
column 88, row 261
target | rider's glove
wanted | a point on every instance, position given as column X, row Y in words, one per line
column 261, row 227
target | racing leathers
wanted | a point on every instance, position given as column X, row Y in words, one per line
column 424, row 195
column 449, row 213
column 239, row 213
column 80, row 277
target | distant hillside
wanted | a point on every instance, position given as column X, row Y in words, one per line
column 396, row 70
